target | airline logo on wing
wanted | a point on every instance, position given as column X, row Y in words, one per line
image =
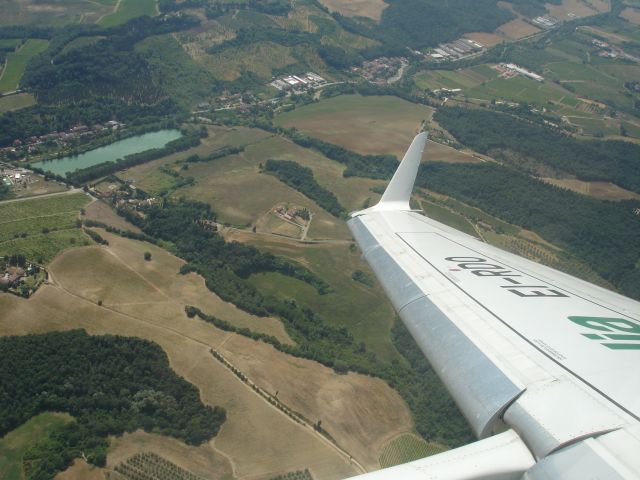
column 613, row 333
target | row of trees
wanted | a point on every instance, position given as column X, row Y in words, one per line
column 109, row 384
column 302, row 179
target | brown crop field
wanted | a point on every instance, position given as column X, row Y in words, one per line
column 516, row 29
column 437, row 152
column 367, row 125
column 147, row 300
column 631, row 15
column 357, row 8
column 317, row 393
column 570, row 9
column 600, row 190
column 484, row 38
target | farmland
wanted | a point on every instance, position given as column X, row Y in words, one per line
column 17, row 62
column 15, row 102
column 150, row 304
column 56, row 13
column 40, row 228
column 360, row 8
column 580, row 85
column 362, row 124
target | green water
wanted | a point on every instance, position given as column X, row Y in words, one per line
column 111, row 152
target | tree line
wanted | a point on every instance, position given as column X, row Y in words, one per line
column 533, row 144
column 302, row 179
column 109, row 384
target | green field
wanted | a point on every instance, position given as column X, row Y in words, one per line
column 465, row 78
column 17, row 62
column 9, row 43
column 128, row 9
column 407, row 448
column 518, row 89
column 40, row 228
column 14, row 444
column 16, row 102
column 364, row 124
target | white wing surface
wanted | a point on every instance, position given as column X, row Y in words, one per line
column 521, row 347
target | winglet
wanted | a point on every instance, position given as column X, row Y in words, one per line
column 398, row 192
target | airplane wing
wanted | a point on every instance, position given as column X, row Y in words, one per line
column 549, row 360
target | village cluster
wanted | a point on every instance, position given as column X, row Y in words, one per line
column 381, row 70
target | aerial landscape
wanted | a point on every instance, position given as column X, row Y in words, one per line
column 180, row 294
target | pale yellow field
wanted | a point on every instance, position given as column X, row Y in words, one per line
column 101, row 212
column 367, row 125
column 437, row 152
column 319, row 394
column 569, row 9
column 357, row 8
column 601, row 190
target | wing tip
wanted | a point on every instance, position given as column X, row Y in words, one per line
column 398, row 193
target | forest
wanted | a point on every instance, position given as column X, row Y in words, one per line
column 109, row 384
column 42, row 119
column 426, row 23
column 529, row 145
column 302, row 179
column 112, row 67
column 602, row 234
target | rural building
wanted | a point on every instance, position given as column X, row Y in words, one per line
column 522, row 71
